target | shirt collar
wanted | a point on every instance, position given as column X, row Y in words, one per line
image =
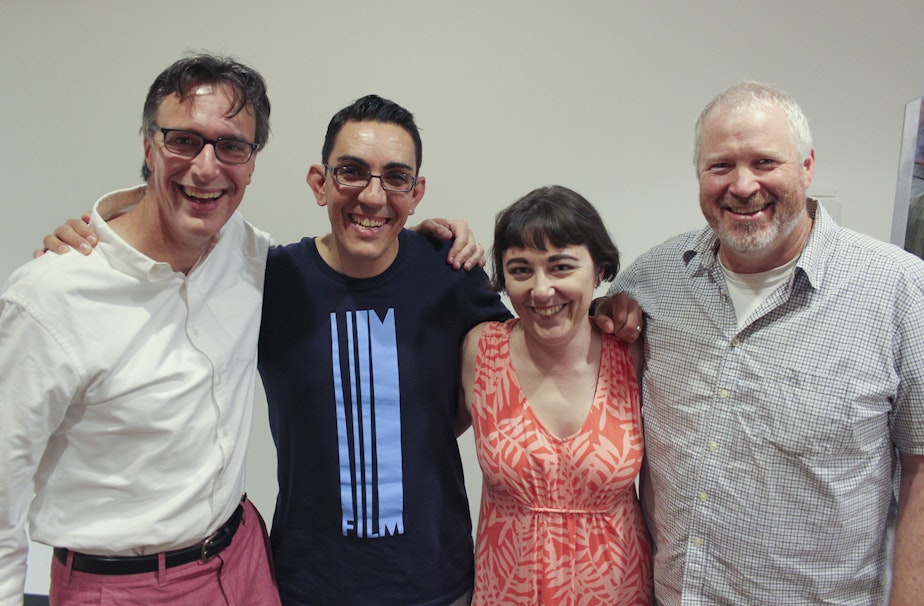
column 119, row 253
column 820, row 241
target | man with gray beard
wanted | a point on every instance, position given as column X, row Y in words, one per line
column 784, row 388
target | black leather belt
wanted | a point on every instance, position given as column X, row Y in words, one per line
column 204, row 551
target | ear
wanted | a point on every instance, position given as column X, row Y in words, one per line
column 417, row 193
column 316, row 177
column 148, row 152
column 808, row 169
column 253, row 166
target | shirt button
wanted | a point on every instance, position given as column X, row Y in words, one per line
column 698, row 542
column 703, row 497
column 736, row 342
column 723, row 393
column 713, row 445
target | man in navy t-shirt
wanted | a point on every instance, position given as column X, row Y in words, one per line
column 359, row 354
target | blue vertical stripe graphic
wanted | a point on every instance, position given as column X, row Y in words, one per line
column 367, row 393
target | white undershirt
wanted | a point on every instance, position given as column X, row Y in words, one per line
column 748, row 291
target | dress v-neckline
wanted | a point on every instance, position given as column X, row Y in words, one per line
column 529, row 410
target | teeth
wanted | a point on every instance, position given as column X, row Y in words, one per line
column 368, row 222
column 745, row 211
column 548, row 311
column 210, row 195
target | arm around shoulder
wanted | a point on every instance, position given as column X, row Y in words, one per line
column 75, row 233
column 620, row 315
column 465, row 251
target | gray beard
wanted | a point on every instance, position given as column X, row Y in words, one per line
column 749, row 239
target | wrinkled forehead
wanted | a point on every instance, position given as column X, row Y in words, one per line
column 380, row 142
column 208, row 103
column 199, row 93
column 735, row 123
column 740, row 115
column 224, row 94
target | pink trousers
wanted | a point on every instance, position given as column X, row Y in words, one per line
column 241, row 575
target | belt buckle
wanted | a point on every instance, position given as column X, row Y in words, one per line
column 204, row 555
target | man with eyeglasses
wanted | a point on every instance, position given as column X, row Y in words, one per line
column 126, row 394
column 359, row 354
column 127, row 389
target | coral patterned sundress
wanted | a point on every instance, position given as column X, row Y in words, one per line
column 560, row 523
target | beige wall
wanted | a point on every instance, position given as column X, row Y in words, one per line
column 599, row 96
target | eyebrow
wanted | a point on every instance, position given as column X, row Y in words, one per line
column 761, row 153
column 230, row 137
column 552, row 259
column 361, row 162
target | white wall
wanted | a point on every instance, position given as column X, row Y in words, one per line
column 600, row 96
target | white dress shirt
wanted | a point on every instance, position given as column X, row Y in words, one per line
column 126, row 395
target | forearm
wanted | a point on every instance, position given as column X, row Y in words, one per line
column 908, row 566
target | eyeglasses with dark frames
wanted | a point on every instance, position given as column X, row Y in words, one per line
column 189, row 144
column 356, row 176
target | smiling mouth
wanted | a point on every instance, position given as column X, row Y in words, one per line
column 747, row 212
column 201, row 196
column 548, row 312
column 367, row 222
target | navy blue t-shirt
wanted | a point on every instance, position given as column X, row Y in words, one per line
column 362, row 377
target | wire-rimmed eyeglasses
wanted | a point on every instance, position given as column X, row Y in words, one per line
column 357, row 176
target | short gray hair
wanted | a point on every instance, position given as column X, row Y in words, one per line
column 749, row 95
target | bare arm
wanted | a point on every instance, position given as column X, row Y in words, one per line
column 619, row 315
column 469, row 360
column 465, row 251
column 637, row 350
column 908, row 567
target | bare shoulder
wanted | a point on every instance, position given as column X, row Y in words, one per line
column 470, row 344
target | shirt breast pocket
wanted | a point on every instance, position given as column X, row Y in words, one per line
column 798, row 413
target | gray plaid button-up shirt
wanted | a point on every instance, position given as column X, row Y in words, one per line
column 772, row 449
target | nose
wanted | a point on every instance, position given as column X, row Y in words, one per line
column 373, row 194
column 744, row 183
column 542, row 286
column 206, row 165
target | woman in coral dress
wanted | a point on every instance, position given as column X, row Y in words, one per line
column 555, row 411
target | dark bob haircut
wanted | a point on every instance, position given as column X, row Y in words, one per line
column 553, row 216
column 194, row 70
column 372, row 108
